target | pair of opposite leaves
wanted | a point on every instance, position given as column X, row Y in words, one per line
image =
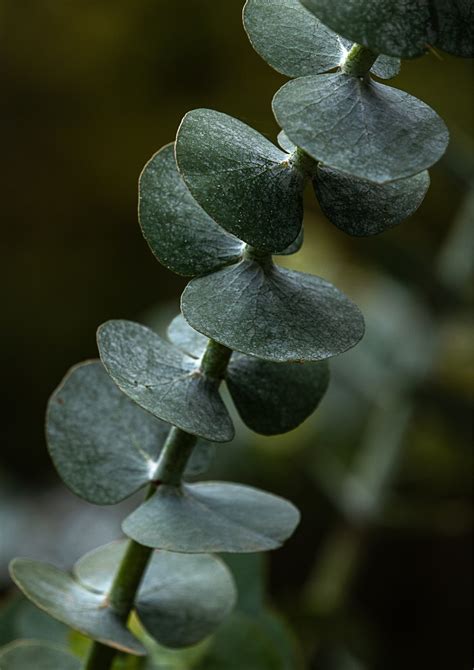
column 353, row 124
column 105, row 446
column 172, row 604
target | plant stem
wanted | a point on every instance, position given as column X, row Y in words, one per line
column 174, row 457
column 359, row 60
column 170, row 468
column 215, row 360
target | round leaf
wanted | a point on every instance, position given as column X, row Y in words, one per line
column 63, row 598
column 290, row 38
column 386, row 67
column 182, row 598
column 404, row 29
column 162, row 380
column 362, row 208
column 273, row 313
column 212, row 517
column 293, row 41
column 104, row 446
column 249, row 186
column 275, row 398
column 32, row 655
column 181, row 235
column 360, row 126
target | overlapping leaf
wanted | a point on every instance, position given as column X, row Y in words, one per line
column 272, row 313
column 66, row 600
column 181, row 235
column 212, row 517
column 182, row 598
column 162, row 380
column 404, row 29
column 293, row 41
column 104, row 446
column 272, row 398
column 32, row 655
column 360, row 126
column 362, row 208
column 249, row 186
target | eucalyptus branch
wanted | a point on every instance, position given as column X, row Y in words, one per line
column 219, row 206
column 170, row 469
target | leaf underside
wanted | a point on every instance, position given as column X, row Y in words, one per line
column 162, row 380
column 63, row 598
column 212, row 517
column 173, row 602
column 362, row 208
column 273, row 313
column 361, row 127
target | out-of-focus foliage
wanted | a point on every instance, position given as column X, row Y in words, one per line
column 377, row 575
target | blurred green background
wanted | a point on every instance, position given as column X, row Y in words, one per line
column 378, row 575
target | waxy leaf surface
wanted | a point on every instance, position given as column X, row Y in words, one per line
column 273, row 313
column 248, row 185
column 162, row 380
column 362, row 208
column 290, row 38
column 104, row 446
column 274, row 398
column 59, row 594
column 181, row 235
column 294, row 42
column 386, row 67
column 404, row 28
column 182, row 599
column 29, row 655
column 212, row 517
column 186, row 338
column 360, row 126
column 271, row 398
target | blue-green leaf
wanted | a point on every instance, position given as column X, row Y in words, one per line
column 290, row 38
column 249, row 186
column 32, row 655
column 293, row 41
column 404, row 29
column 182, row 599
column 360, row 126
column 212, row 517
column 104, row 446
column 181, row 235
column 271, row 398
column 186, row 338
column 272, row 313
column 274, row 398
column 386, row 67
column 362, row 208
column 162, row 380
column 63, row 598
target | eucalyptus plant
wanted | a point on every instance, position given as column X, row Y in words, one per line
column 216, row 206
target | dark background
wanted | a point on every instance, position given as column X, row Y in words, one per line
column 88, row 91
